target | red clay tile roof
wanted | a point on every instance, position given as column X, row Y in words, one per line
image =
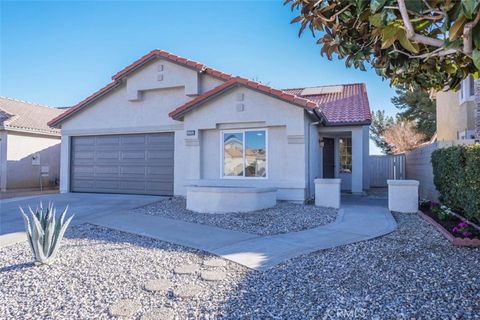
column 157, row 53
column 350, row 106
column 187, row 107
column 347, row 107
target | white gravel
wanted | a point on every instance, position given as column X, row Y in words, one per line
column 411, row 273
column 283, row 218
column 98, row 267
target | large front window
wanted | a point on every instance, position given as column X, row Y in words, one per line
column 345, row 155
column 245, row 153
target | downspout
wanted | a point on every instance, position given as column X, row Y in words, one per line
column 321, row 120
column 309, row 146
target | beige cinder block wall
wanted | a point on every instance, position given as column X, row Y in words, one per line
column 452, row 116
column 21, row 172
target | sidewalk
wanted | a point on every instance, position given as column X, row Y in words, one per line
column 355, row 222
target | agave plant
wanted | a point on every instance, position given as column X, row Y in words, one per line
column 45, row 232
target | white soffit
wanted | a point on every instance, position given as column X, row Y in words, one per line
column 321, row 90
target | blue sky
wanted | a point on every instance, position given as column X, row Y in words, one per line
column 57, row 53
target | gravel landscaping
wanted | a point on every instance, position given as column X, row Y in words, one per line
column 101, row 271
column 283, row 218
column 411, row 273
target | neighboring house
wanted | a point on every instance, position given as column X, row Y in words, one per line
column 29, row 148
column 166, row 122
column 456, row 113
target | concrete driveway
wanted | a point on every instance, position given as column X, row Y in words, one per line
column 84, row 205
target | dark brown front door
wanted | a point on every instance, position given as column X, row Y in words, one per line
column 328, row 158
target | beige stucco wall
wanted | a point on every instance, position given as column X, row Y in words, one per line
column 140, row 105
column 285, row 124
column 20, row 148
column 452, row 116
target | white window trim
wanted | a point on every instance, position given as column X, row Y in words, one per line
column 222, row 154
column 465, row 90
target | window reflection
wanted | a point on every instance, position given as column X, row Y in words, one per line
column 233, row 154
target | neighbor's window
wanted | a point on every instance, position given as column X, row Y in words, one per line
column 467, row 89
column 345, row 155
column 471, row 85
column 245, row 153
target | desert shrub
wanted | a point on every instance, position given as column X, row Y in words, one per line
column 45, row 232
column 456, row 172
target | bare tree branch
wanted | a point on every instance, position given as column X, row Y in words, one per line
column 332, row 18
column 440, row 52
column 411, row 31
column 467, row 35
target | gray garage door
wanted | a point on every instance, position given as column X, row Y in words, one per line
column 131, row 163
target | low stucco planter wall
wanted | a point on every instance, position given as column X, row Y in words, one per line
column 327, row 193
column 229, row 199
column 403, row 195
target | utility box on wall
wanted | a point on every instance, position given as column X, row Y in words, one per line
column 36, row 159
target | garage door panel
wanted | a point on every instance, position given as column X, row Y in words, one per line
column 133, row 185
column 136, row 163
column 107, row 184
column 139, row 154
column 107, row 155
column 108, row 171
column 133, row 139
column 134, row 170
column 160, row 140
column 83, row 141
column 85, row 184
column 160, row 186
column 158, row 170
column 80, row 170
column 151, row 155
column 107, row 140
column 84, row 155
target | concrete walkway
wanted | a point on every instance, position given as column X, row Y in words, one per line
column 85, row 206
column 358, row 220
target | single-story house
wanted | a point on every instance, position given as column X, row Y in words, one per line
column 29, row 148
column 166, row 122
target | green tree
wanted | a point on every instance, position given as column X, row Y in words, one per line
column 380, row 123
column 417, row 106
column 433, row 43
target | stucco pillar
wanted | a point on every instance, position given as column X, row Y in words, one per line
column 357, row 160
column 366, row 155
column 65, row 164
column 193, row 160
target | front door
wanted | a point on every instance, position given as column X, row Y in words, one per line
column 328, row 158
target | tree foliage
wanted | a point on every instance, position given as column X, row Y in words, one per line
column 416, row 105
column 432, row 43
column 380, row 123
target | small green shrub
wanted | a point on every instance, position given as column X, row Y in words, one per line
column 45, row 232
column 456, row 172
column 443, row 212
column 424, row 204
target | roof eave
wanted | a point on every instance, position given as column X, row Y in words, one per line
column 347, row 123
column 31, row 131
